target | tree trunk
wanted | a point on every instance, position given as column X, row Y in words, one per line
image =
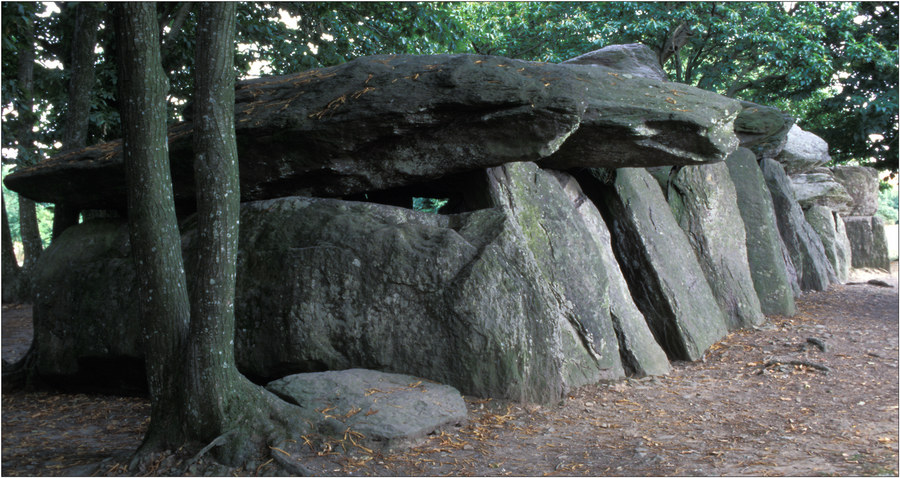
column 81, row 82
column 26, row 156
column 11, row 270
column 155, row 238
column 211, row 350
column 222, row 402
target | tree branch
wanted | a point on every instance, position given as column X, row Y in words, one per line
column 168, row 39
column 738, row 87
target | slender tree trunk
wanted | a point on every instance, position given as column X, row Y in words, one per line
column 211, row 351
column 28, row 225
column 81, row 82
column 222, row 402
column 155, row 238
column 11, row 270
column 197, row 393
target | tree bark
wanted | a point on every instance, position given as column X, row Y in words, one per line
column 11, row 270
column 26, row 155
column 155, row 238
column 81, row 82
column 211, row 350
column 197, row 393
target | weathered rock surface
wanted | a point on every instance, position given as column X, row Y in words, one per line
column 814, row 271
column 704, row 202
column 666, row 281
column 630, row 59
column 868, row 242
column 819, row 188
column 764, row 248
column 567, row 255
column 641, row 354
column 822, row 220
column 861, row 182
column 379, row 122
column 509, row 301
column 762, row 129
column 87, row 306
column 383, row 411
column 803, row 152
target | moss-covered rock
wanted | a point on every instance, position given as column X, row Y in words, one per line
column 764, row 246
column 704, row 203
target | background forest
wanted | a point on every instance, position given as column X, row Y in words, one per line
column 832, row 65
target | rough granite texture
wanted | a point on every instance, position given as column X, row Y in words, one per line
column 814, row 271
column 704, row 202
column 631, row 59
column 383, row 411
column 822, row 219
column 385, row 121
column 868, row 242
column 803, row 151
column 665, row 279
column 641, row 354
column 861, row 183
column 764, row 246
column 819, row 188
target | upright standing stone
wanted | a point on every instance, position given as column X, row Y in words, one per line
column 868, row 242
column 662, row 271
column 566, row 253
column 822, row 220
column 641, row 354
column 842, row 247
column 814, row 271
column 764, row 248
column 704, row 203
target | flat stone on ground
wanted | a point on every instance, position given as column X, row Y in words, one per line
column 381, row 410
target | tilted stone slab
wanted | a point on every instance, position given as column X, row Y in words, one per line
column 834, row 239
column 868, row 242
column 814, row 271
column 764, row 248
column 380, row 122
column 704, row 202
column 380, row 411
column 819, row 188
column 861, row 183
column 566, row 253
column 640, row 353
column 663, row 274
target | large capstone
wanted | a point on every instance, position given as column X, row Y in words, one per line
column 834, row 239
column 861, row 182
column 803, row 151
column 814, row 271
column 633, row 59
column 764, row 248
column 819, row 188
column 704, row 203
column 663, row 274
column 379, row 411
column 868, row 242
column 380, row 122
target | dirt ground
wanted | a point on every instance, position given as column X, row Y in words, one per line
column 762, row 402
